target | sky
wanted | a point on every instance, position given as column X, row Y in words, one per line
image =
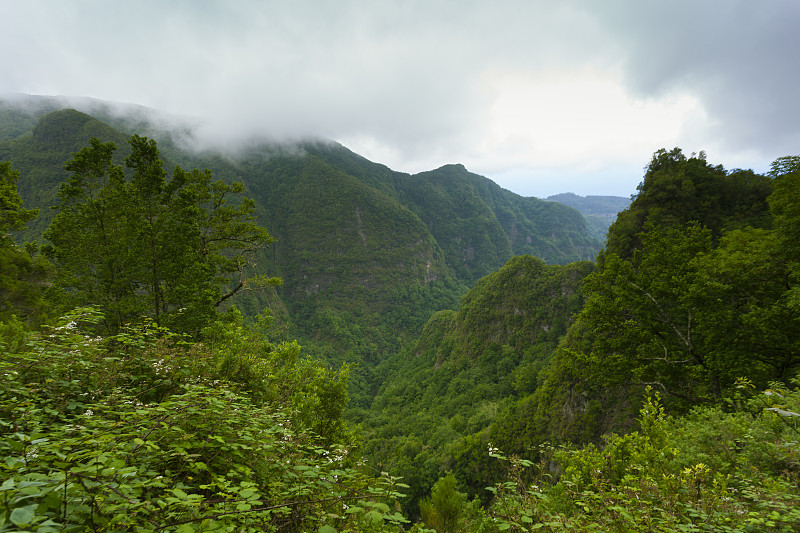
column 542, row 97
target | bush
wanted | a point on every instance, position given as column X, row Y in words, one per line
column 144, row 432
column 709, row 471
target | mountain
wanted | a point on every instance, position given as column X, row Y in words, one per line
column 440, row 398
column 599, row 211
column 366, row 253
column 689, row 311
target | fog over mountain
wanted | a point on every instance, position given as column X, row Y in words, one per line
column 541, row 97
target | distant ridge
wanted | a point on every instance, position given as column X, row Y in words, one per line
column 599, row 211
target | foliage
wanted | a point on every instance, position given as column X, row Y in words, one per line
column 480, row 226
column 446, row 509
column 21, row 274
column 711, row 471
column 744, row 287
column 13, row 216
column 676, row 190
column 466, row 373
column 367, row 254
column 39, row 156
column 148, row 246
column 644, row 324
column 784, row 204
column 684, row 299
column 442, row 510
column 142, row 431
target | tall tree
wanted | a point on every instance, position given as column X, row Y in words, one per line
column 89, row 236
column 172, row 249
column 676, row 190
column 13, row 216
column 644, row 327
column 784, row 204
column 21, row 276
column 687, row 298
column 744, row 287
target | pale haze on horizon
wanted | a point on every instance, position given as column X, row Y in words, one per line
column 542, row 97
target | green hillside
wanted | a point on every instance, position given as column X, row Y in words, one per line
column 599, row 211
column 40, row 153
column 478, row 224
column 692, row 317
column 468, row 368
column 419, row 368
column 366, row 254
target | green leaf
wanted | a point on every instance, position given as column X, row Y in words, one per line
column 247, row 493
column 374, row 517
column 379, row 506
column 14, row 462
column 326, row 529
column 22, row 516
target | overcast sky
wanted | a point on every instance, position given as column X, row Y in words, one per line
column 540, row 96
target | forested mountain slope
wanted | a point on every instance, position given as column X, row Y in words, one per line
column 690, row 294
column 134, row 400
column 366, row 254
column 468, row 367
column 599, row 211
column 695, row 300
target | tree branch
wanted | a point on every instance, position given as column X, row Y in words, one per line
column 232, row 292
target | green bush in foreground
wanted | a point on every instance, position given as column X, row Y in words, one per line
column 142, row 432
column 712, row 470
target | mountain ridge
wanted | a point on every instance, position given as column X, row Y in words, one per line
column 598, row 211
column 367, row 254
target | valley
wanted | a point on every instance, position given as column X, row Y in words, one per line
column 475, row 360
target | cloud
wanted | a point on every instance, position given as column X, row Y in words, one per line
column 735, row 57
column 580, row 89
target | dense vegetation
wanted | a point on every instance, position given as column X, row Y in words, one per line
column 599, row 211
column 112, row 421
column 697, row 312
column 147, row 388
column 466, row 370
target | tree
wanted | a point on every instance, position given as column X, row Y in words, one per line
column 443, row 508
column 644, row 327
column 145, row 245
column 692, row 302
column 89, row 236
column 676, row 190
column 21, row 275
column 784, row 204
column 744, row 287
column 13, row 216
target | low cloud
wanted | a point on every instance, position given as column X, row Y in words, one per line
column 578, row 89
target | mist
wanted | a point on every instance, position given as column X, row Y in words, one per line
column 527, row 93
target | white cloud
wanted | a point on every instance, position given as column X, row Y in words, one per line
column 552, row 119
column 579, row 89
